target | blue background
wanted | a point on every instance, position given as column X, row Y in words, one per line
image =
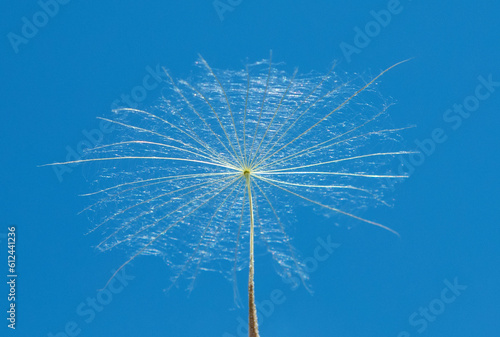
column 91, row 52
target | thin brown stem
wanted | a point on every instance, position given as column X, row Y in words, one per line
column 253, row 326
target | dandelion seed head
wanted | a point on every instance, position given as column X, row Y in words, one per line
column 176, row 179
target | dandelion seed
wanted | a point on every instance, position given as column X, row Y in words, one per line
column 222, row 159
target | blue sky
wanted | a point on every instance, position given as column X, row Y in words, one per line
column 440, row 278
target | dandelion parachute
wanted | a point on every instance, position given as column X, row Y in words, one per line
column 225, row 156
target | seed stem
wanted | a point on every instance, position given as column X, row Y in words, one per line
column 253, row 326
